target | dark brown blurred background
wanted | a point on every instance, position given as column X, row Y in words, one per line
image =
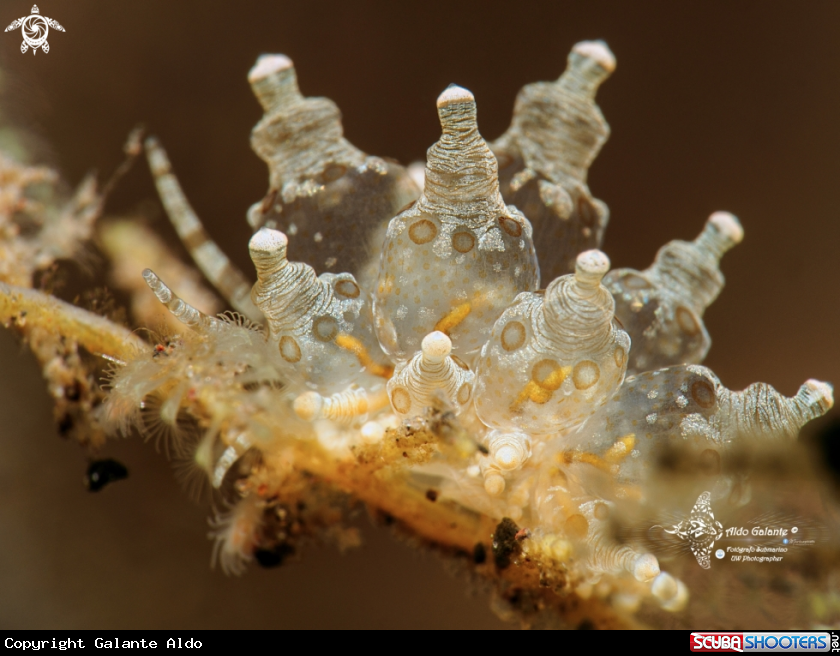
column 714, row 105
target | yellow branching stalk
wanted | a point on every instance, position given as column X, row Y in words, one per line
column 28, row 307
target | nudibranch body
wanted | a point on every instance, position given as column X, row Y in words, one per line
column 441, row 331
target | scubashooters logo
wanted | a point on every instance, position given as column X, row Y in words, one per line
column 798, row 642
column 35, row 29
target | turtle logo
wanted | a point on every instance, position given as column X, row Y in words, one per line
column 35, row 29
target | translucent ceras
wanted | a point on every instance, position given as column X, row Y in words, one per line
column 604, row 555
column 556, row 132
column 320, row 184
column 456, row 258
column 432, row 375
column 350, row 406
column 320, row 324
column 212, row 260
column 662, row 307
column 683, row 406
column 181, row 310
column 553, row 358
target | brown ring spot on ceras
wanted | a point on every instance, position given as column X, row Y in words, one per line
column 464, row 393
column 325, row 328
column 463, row 242
column 513, row 335
column 289, row 349
column 347, row 288
column 703, row 394
column 510, row 226
column 620, row 356
column 422, row 231
column 401, row 400
column 687, row 322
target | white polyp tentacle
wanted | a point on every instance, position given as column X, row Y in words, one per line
column 342, row 406
column 273, row 81
column 352, row 403
column 597, row 51
column 606, row 556
column 349, row 406
column 507, row 452
column 309, row 406
column 216, row 266
column 237, row 446
column 684, row 404
column 645, row 567
column 180, row 309
column 235, row 533
column 555, row 142
column 730, row 230
column 430, row 374
column 435, row 348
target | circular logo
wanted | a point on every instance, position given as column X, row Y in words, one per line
column 35, row 30
column 719, row 554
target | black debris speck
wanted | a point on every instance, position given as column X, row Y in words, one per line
column 479, row 554
column 275, row 557
column 103, row 472
column 505, row 544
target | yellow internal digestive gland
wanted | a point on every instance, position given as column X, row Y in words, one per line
column 397, row 349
